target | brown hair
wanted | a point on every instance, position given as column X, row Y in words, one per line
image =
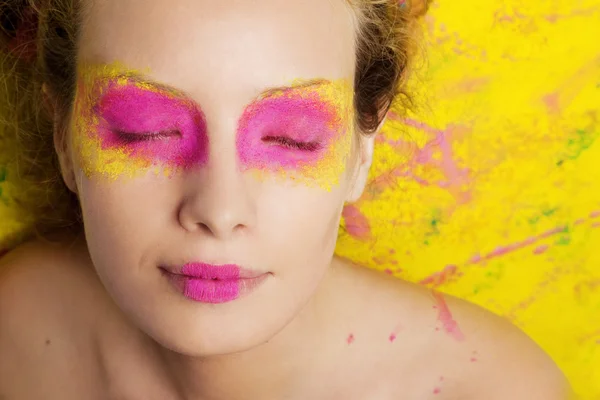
column 38, row 40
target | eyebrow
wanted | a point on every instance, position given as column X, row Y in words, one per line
column 147, row 80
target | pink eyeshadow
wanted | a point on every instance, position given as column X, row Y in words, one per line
column 137, row 111
column 307, row 119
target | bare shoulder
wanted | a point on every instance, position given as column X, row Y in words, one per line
column 450, row 348
column 46, row 316
column 508, row 363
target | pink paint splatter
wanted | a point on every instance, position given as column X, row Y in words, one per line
column 445, row 317
column 350, row 339
column 357, row 223
column 595, row 214
column 474, row 356
column 552, row 102
column 394, row 334
column 437, row 390
column 475, row 259
column 509, row 248
column 540, row 249
column 439, row 278
column 456, row 178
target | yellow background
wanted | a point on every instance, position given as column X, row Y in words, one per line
column 491, row 190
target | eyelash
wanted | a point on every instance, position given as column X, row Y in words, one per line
column 293, row 144
column 129, row 137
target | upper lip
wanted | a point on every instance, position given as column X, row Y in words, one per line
column 213, row 271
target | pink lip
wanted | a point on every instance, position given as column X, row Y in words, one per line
column 213, row 284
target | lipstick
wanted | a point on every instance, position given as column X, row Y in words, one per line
column 214, row 284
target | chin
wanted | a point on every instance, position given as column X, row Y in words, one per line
column 205, row 334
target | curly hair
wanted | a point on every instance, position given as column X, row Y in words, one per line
column 38, row 46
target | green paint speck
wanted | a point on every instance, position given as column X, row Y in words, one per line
column 2, row 174
column 581, row 142
column 563, row 240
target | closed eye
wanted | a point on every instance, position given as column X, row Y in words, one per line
column 286, row 142
column 134, row 137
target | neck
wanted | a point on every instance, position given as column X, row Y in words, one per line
column 276, row 369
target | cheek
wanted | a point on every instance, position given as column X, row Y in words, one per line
column 309, row 216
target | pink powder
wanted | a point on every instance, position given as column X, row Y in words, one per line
column 445, row 317
column 436, row 390
column 138, row 112
column 306, row 119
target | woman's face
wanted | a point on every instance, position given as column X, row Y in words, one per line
column 212, row 145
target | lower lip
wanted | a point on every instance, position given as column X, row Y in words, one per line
column 214, row 291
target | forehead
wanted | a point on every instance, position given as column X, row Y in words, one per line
column 223, row 47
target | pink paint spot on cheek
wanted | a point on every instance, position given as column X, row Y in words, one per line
column 306, row 119
column 436, row 390
column 136, row 111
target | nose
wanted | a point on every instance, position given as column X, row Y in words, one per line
column 217, row 201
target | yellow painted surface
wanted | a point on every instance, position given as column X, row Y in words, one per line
column 491, row 191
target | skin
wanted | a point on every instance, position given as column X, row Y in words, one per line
column 319, row 324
